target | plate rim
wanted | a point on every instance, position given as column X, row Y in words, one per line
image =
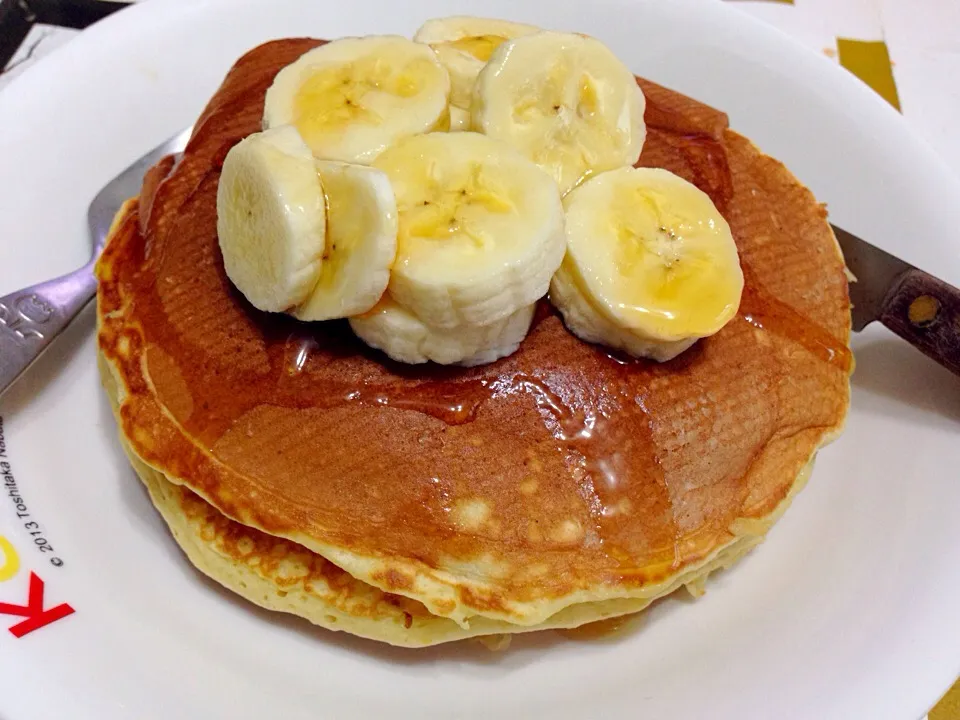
column 142, row 12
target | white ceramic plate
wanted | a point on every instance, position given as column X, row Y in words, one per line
column 850, row 610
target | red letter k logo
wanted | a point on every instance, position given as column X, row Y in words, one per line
column 36, row 616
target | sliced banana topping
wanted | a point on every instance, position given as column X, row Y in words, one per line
column 481, row 228
column 459, row 119
column 271, row 219
column 440, row 250
column 405, row 338
column 352, row 98
column 591, row 325
column 464, row 45
column 361, row 242
column 650, row 260
column 565, row 101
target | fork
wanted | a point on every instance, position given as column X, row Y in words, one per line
column 32, row 318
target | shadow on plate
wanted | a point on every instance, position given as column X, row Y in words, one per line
column 905, row 380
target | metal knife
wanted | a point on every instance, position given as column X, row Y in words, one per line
column 915, row 305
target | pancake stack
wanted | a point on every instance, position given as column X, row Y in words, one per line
column 417, row 505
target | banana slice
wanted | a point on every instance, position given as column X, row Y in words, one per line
column 590, row 325
column 481, row 228
column 464, row 45
column 405, row 338
column 361, row 242
column 459, row 119
column 651, row 264
column 271, row 219
column 565, row 101
column 352, row 98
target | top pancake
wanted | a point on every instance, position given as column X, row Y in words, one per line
column 562, row 474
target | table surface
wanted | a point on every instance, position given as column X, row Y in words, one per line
column 908, row 50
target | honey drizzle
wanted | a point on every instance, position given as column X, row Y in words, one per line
column 765, row 312
column 609, row 459
column 295, row 380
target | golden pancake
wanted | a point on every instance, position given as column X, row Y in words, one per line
column 280, row 575
column 553, row 481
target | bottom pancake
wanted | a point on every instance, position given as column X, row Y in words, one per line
column 281, row 575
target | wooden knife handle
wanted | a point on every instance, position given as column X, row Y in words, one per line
column 925, row 312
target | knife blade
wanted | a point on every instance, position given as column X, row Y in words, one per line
column 876, row 271
column 920, row 308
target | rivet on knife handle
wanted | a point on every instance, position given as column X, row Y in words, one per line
column 925, row 312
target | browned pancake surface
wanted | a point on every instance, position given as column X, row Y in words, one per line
column 564, row 467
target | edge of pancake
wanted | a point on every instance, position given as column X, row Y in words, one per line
column 289, row 578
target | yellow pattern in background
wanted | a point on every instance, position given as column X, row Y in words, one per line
column 870, row 61
column 949, row 707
